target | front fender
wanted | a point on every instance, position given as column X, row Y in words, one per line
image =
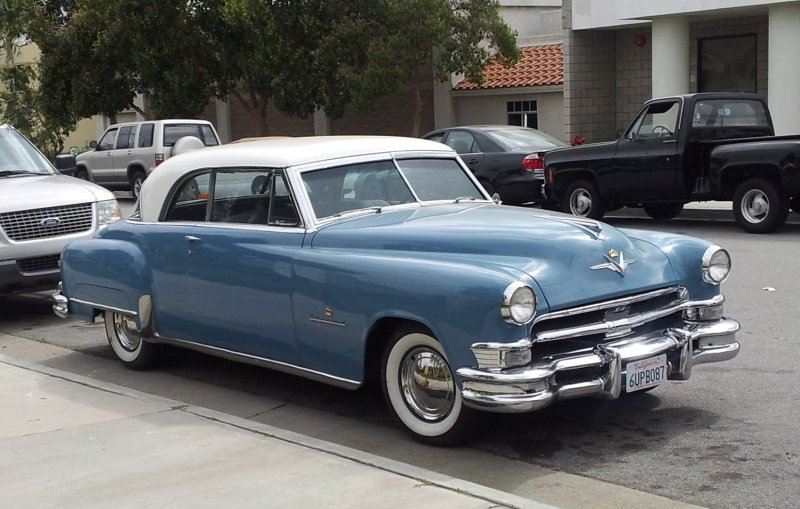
column 106, row 274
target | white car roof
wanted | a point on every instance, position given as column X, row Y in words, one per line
column 273, row 153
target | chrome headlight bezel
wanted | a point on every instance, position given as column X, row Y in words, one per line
column 108, row 211
column 716, row 265
column 518, row 306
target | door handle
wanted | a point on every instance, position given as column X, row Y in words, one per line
column 192, row 238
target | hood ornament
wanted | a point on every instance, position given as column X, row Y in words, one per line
column 612, row 264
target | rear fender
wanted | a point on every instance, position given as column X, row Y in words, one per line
column 107, row 274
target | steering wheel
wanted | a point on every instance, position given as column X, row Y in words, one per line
column 662, row 131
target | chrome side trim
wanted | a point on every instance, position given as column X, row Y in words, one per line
column 254, row 360
column 121, row 311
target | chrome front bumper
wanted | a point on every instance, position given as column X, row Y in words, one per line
column 536, row 385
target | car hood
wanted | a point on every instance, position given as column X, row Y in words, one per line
column 39, row 191
column 568, row 257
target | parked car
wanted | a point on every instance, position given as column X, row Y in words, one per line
column 347, row 259
column 40, row 211
column 506, row 159
column 694, row 147
column 127, row 153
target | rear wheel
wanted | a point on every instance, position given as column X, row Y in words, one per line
column 663, row 211
column 794, row 203
column 582, row 199
column 127, row 343
column 759, row 207
column 136, row 184
column 420, row 389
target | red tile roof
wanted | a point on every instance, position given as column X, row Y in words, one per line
column 538, row 66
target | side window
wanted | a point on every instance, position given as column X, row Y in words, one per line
column 191, row 200
column 252, row 197
column 660, row 120
column 462, row 142
column 107, row 141
column 146, row 135
column 208, row 136
column 436, row 137
column 174, row 132
column 125, row 138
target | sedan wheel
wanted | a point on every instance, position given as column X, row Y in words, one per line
column 421, row 391
column 126, row 342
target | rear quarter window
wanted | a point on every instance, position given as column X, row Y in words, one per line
column 174, row 132
column 146, row 135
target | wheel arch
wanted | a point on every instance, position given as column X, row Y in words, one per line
column 734, row 175
column 378, row 337
column 563, row 178
column 135, row 167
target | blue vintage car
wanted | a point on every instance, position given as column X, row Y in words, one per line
column 346, row 259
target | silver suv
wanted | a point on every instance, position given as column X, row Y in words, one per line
column 40, row 212
column 127, row 153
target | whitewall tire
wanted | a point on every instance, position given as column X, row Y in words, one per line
column 127, row 344
column 421, row 390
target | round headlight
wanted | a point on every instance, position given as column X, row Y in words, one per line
column 519, row 303
column 716, row 265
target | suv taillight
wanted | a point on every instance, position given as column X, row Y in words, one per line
column 532, row 162
column 159, row 159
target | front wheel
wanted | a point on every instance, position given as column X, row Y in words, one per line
column 421, row 391
column 583, row 199
column 759, row 207
column 663, row 211
column 82, row 174
column 136, row 184
column 127, row 344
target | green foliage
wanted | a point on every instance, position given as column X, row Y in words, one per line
column 19, row 98
column 301, row 55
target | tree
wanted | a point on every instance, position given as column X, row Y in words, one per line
column 97, row 55
column 454, row 36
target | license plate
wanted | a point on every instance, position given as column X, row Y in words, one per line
column 646, row 373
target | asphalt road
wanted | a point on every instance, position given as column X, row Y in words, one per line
column 727, row 438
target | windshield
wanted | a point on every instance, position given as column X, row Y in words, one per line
column 18, row 156
column 374, row 185
column 511, row 139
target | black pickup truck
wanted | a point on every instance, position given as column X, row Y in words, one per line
column 695, row 147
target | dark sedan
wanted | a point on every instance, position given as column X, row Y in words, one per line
column 505, row 159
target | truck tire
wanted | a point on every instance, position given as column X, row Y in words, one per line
column 794, row 204
column 582, row 199
column 759, row 207
column 663, row 211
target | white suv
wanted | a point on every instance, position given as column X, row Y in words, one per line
column 40, row 212
column 127, row 153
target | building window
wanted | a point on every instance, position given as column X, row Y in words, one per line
column 727, row 64
column 522, row 113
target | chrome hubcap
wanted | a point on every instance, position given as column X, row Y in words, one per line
column 127, row 336
column 755, row 206
column 580, row 202
column 427, row 384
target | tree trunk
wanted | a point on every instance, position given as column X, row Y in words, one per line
column 417, row 106
column 257, row 108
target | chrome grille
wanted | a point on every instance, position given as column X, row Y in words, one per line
column 47, row 222
column 38, row 263
column 610, row 319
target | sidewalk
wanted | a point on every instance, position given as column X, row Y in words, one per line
column 69, row 441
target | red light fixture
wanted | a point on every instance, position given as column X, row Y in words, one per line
column 640, row 41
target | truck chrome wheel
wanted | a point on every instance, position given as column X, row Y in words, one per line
column 420, row 389
column 759, row 207
column 582, row 199
column 127, row 343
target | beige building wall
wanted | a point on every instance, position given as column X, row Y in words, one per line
column 489, row 107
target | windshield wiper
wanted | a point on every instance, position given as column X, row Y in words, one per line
column 7, row 173
column 465, row 198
